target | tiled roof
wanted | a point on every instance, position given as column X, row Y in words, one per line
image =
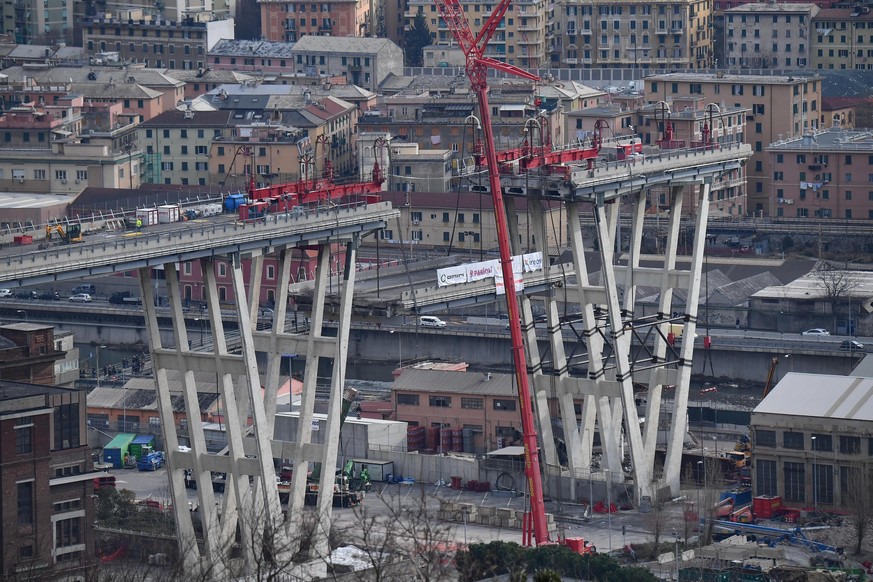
column 177, row 118
column 342, row 44
column 440, row 381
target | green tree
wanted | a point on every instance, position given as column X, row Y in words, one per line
column 414, row 41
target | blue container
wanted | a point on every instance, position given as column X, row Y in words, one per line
column 233, row 202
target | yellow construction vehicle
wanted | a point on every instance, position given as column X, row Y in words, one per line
column 72, row 234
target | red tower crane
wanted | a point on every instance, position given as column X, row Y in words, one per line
column 477, row 65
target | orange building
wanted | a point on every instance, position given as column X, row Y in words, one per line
column 288, row 20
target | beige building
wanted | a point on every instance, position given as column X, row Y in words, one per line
column 769, row 35
column 811, row 446
column 177, row 143
column 841, row 39
column 522, row 39
column 45, row 151
column 634, row 34
column 465, row 221
column 782, row 107
column 38, row 21
column 140, row 38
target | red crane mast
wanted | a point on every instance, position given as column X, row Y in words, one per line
column 477, row 65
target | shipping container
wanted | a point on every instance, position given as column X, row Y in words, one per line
column 169, row 213
column 23, row 239
column 765, row 507
column 118, row 449
column 148, row 216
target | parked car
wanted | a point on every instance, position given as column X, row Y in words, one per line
column 81, row 298
column 50, row 296
column 87, row 288
column 852, row 346
column 816, row 331
column 5, row 292
column 27, row 295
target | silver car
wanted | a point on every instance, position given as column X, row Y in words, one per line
column 81, row 298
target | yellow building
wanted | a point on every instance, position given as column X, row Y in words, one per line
column 840, row 39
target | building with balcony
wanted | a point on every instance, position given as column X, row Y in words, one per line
column 44, row 84
column 290, row 138
column 813, row 447
column 677, row 34
column 39, row 21
column 769, row 36
column 690, row 122
column 291, row 20
column 46, row 150
column 839, row 39
column 140, row 38
column 521, row 39
column 365, row 62
column 781, row 108
column 177, row 143
column 824, row 174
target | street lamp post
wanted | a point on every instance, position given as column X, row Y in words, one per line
column 199, row 319
column 814, row 478
column 22, row 312
column 608, row 474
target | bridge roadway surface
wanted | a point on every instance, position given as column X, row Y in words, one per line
column 110, row 252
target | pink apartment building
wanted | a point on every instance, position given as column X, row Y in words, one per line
column 828, row 174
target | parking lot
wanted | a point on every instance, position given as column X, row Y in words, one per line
column 603, row 531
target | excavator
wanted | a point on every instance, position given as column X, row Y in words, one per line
column 72, row 233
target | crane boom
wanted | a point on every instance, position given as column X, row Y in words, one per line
column 477, row 66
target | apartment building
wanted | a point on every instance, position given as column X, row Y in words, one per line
column 824, row 174
column 365, row 62
column 253, row 56
column 45, row 463
column 522, row 38
column 141, row 38
column 39, row 21
column 691, row 122
column 177, row 143
column 842, row 38
column 769, row 35
column 43, row 83
column 46, row 151
column 676, row 34
column 812, row 446
column 291, row 20
column 781, row 108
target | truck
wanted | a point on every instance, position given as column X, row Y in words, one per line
column 151, row 462
column 348, row 488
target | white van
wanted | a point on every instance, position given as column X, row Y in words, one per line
column 431, row 321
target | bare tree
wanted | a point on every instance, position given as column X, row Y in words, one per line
column 835, row 284
column 859, row 506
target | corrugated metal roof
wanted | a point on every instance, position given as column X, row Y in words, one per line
column 442, row 381
column 822, row 396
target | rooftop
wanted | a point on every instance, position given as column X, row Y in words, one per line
column 249, row 48
column 732, row 78
column 846, row 397
column 857, row 284
column 15, row 390
column 832, row 139
column 447, row 382
column 343, row 44
column 769, row 7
